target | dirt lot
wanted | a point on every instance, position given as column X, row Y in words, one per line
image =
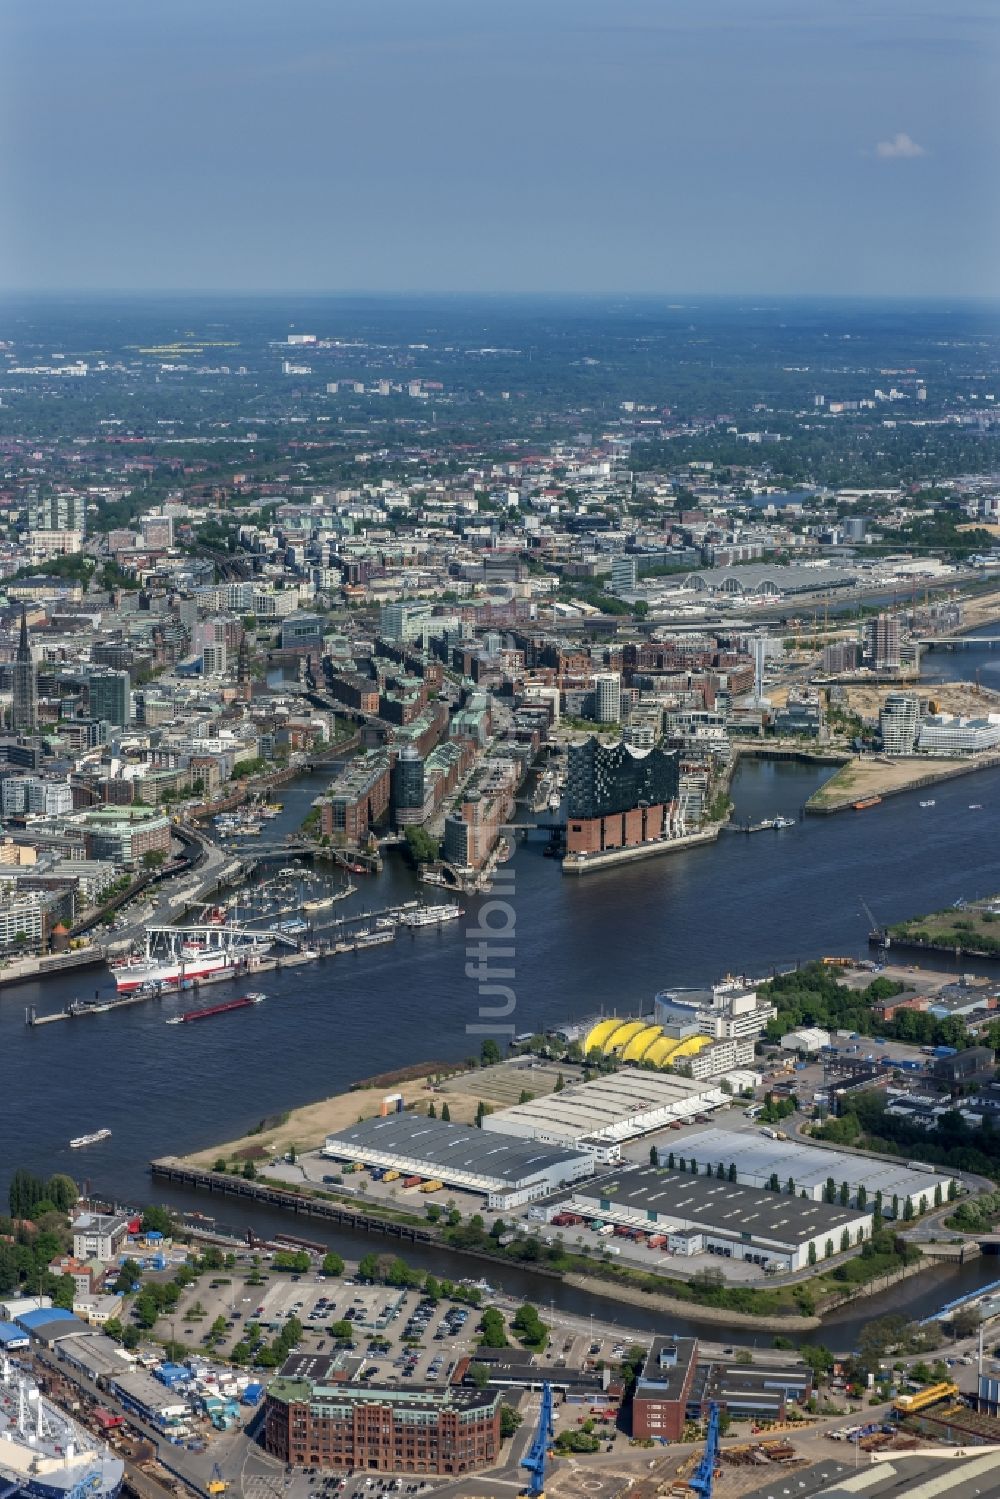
column 874, row 776
column 963, row 698
column 306, row 1128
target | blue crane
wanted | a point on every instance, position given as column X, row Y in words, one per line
column 703, row 1477
column 534, row 1460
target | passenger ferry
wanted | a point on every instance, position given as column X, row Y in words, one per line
column 432, row 915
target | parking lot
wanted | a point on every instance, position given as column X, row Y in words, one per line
column 392, row 1332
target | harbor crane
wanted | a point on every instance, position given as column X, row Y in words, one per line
column 703, row 1478
column 534, row 1459
column 875, row 929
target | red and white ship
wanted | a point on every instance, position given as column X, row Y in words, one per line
column 179, row 958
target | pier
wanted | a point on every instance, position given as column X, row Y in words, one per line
column 766, row 825
column 170, row 1169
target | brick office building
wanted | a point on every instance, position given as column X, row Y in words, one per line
column 358, row 798
column 663, row 1389
column 321, row 1421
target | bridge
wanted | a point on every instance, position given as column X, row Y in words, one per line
column 958, row 642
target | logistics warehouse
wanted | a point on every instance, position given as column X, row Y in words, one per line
column 508, row 1171
column 759, row 1160
column 597, row 1116
column 705, row 1215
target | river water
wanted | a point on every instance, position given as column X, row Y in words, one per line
column 603, row 942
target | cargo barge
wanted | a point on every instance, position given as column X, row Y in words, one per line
column 206, row 1011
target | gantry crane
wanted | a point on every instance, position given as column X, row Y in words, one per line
column 534, row 1459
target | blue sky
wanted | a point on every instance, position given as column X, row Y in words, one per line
column 667, row 146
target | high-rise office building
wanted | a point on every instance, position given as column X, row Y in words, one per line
column 24, row 711
column 214, row 659
column 899, row 723
column 408, row 790
column 110, row 697
column 607, row 697
column 882, row 643
column 623, row 573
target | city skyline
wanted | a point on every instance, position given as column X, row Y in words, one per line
column 717, row 149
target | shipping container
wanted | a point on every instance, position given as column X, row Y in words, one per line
column 432, row 1186
column 412, row 1181
column 390, row 1176
column 608, row 1228
column 657, row 1241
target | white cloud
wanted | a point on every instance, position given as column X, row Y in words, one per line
column 901, row 145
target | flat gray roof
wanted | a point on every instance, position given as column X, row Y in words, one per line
column 809, row 1166
column 449, row 1148
column 705, row 1202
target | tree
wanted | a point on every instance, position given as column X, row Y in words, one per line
column 492, row 1332
column 828, row 1249
column 445, row 1114
column 249, row 1170
column 479, row 1375
column 845, row 1240
column 432, row 1288
column 421, row 847
column 510, row 1420
column 671, row 1161
column 966, row 1321
column 154, row 858
column 653, row 1161
column 830, row 1190
column 129, row 1275
column 368, row 1267
column 529, row 1327
column 24, row 1193
column 489, row 1053
column 333, row 1264
column 560, row 1085
column 342, row 1331
column 720, row 1172
column 482, row 1110
column 862, row 1197
column 733, row 1174
column 908, row 1210
column 432, row 1112
column 811, row 1256
column 156, row 1220
column 62, row 1191
column 845, row 1194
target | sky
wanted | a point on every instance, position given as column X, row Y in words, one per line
column 797, row 147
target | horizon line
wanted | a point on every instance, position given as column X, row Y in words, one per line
column 673, row 298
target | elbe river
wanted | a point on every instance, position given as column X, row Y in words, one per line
column 604, row 942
